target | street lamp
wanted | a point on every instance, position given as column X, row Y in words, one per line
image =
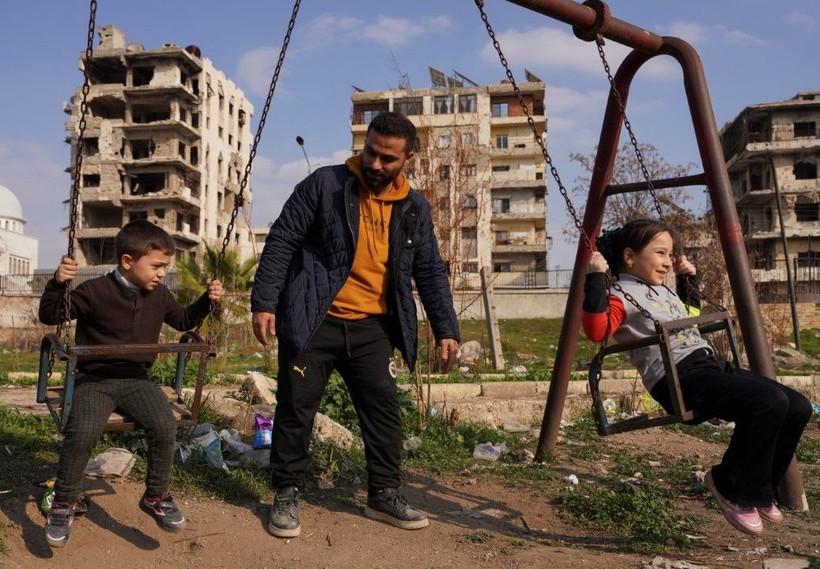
column 301, row 142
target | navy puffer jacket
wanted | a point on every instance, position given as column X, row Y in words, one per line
column 309, row 252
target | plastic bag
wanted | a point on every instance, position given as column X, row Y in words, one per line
column 264, row 431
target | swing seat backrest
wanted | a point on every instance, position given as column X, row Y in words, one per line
column 59, row 399
column 706, row 324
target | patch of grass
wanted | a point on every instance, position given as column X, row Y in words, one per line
column 479, row 537
column 705, row 431
column 643, row 517
column 808, row 450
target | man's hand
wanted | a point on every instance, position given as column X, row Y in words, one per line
column 66, row 270
column 448, row 351
column 263, row 323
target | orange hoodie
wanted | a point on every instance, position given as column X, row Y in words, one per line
column 365, row 291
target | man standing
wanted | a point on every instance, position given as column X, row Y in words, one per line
column 334, row 284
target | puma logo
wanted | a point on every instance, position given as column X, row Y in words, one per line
column 301, row 371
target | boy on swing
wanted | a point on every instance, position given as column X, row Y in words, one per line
column 126, row 306
column 769, row 417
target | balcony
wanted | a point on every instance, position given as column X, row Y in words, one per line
column 528, row 245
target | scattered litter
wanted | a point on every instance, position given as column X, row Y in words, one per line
column 205, row 438
column 610, row 406
column 489, row 451
column 432, row 411
column 113, row 463
column 411, row 444
column 648, row 404
column 663, row 563
column 515, row 427
column 571, row 479
column 264, row 432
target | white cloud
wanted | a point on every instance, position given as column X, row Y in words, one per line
column 255, row 69
column 692, row 32
column 741, row 38
column 799, row 19
column 391, row 32
column 36, row 174
column 273, row 183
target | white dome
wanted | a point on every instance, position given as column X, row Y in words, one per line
column 9, row 204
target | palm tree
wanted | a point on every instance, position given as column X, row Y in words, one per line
column 236, row 278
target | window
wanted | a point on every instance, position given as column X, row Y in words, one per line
column 467, row 104
column 468, row 170
column 808, row 259
column 807, row 211
column 466, row 138
column 444, row 141
column 501, row 205
column 469, row 233
column 91, row 180
column 500, row 109
column 444, row 173
column 807, row 128
column 504, row 168
column 443, row 105
column 805, row 171
column 501, row 141
column 368, row 116
column 469, row 201
column 409, row 106
column 469, row 267
column 502, row 267
column 502, row 238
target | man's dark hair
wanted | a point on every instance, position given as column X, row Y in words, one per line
column 390, row 123
column 140, row 237
column 635, row 235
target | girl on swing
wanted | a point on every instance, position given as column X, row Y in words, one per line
column 769, row 417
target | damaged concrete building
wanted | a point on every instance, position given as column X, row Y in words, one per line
column 167, row 139
column 772, row 152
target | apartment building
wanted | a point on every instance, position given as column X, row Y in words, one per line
column 167, row 139
column 479, row 165
column 772, row 152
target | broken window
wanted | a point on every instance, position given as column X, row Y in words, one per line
column 143, row 114
column 142, row 76
column 194, row 120
column 756, row 177
column 91, row 180
column 106, row 107
column 137, row 214
column 807, row 211
column 805, row 171
column 807, row 128
column 141, row 149
column 91, row 146
column 194, row 155
column 146, row 183
column 160, row 213
column 181, row 150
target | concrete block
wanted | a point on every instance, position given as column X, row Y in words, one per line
column 509, row 389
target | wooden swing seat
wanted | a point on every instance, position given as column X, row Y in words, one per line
column 706, row 324
column 59, row 400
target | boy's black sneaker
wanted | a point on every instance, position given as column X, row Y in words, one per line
column 59, row 518
column 284, row 513
column 388, row 505
column 165, row 512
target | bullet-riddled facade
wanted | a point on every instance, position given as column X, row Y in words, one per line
column 771, row 150
column 482, row 170
column 167, row 139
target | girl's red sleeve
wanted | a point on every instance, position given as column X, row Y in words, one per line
column 594, row 317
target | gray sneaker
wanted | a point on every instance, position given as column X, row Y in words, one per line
column 59, row 518
column 388, row 505
column 284, row 513
column 164, row 511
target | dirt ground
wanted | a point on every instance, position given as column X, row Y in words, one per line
column 475, row 522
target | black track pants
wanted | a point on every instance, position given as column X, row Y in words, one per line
column 362, row 353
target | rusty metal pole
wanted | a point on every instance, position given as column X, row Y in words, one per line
column 592, row 21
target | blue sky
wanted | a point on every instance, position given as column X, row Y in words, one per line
column 752, row 51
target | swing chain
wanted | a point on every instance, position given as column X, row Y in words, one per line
column 65, row 304
column 553, row 170
column 599, row 42
column 240, row 197
column 538, row 138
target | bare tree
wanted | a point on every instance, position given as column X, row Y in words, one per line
column 628, row 169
